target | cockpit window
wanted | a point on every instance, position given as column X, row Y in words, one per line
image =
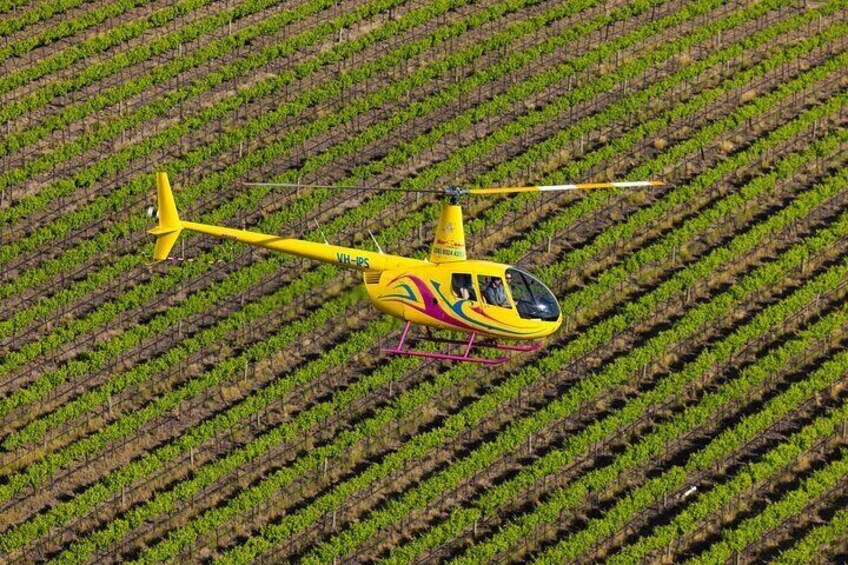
column 462, row 286
column 533, row 300
column 494, row 292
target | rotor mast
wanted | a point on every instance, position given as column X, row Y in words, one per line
column 449, row 242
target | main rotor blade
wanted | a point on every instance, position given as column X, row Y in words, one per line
column 562, row 187
column 345, row 187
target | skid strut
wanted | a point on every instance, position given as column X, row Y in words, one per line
column 466, row 356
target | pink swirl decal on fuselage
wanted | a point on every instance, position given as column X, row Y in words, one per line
column 432, row 308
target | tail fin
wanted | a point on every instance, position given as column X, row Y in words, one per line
column 169, row 227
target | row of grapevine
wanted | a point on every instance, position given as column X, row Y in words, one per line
column 40, row 12
column 160, row 74
column 737, row 436
column 650, row 447
column 808, row 549
column 138, row 398
column 67, row 27
column 516, row 435
column 597, row 435
column 293, row 522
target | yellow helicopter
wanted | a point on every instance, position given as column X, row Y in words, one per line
column 484, row 299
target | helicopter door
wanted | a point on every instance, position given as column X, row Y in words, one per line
column 494, row 291
column 462, row 286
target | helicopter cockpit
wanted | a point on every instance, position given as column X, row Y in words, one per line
column 533, row 300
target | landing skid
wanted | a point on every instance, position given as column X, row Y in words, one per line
column 466, row 356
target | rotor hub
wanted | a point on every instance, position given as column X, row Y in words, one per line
column 455, row 193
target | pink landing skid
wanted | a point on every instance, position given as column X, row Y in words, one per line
column 466, row 356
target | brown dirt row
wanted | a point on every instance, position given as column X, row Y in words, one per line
column 204, row 100
column 16, row 63
column 137, row 69
column 815, row 513
column 646, row 378
column 701, row 537
column 147, row 309
column 531, row 394
column 257, row 107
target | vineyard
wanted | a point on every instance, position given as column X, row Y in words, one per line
column 232, row 404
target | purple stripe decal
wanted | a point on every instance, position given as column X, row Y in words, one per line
column 433, row 309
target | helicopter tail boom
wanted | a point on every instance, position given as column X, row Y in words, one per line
column 170, row 226
column 348, row 257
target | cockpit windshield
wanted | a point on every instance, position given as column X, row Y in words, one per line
column 532, row 299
